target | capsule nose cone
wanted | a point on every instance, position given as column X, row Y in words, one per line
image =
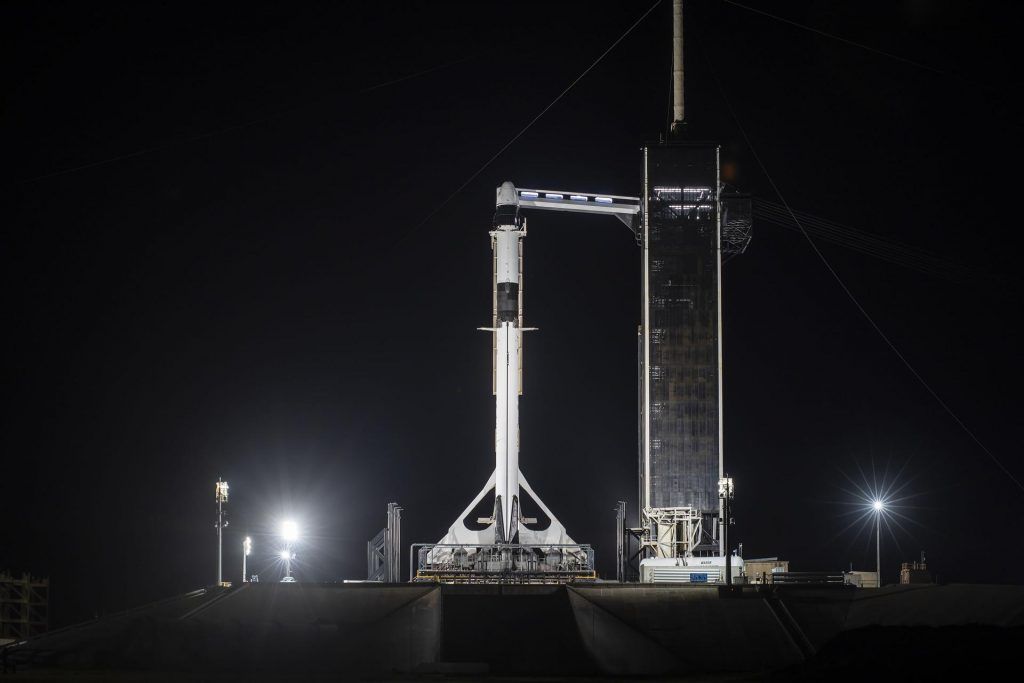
column 506, row 194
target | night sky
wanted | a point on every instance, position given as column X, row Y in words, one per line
column 216, row 263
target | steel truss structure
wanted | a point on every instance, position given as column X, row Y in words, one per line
column 673, row 532
column 501, row 563
column 24, row 606
column 737, row 222
column 383, row 552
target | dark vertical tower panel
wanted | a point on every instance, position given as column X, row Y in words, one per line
column 680, row 408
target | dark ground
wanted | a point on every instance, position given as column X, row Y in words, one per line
column 605, row 631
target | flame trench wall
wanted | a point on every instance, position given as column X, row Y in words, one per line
column 680, row 351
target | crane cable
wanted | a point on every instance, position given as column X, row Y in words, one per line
column 854, row 43
column 877, row 246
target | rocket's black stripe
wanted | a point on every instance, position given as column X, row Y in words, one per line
column 508, row 302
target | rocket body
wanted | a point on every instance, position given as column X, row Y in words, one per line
column 507, row 525
column 506, row 433
column 505, row 240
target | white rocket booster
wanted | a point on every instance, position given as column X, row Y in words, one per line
column 505, row 241
column 506, row 524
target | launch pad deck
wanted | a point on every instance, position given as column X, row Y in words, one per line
column 502, row 563
column 521, row 578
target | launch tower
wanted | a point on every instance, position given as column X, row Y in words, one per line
column 681, row 349
column 688, row 222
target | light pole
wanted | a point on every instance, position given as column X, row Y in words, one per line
column 246, row 549
column 287, row 555
column 878, row 506
column 221, row 497
column 726, row 492
column 290, row 534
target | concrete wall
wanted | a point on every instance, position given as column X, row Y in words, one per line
column 587, row 630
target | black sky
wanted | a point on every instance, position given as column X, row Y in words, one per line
column 251, row 291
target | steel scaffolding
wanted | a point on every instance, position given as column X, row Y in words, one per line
column 24, row 606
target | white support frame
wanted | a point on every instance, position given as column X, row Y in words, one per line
column 673, row 532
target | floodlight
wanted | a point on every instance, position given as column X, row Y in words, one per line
column 290, row 530
column 878, row 505
column 222, row 491
column 286, row 555
column 247, row 545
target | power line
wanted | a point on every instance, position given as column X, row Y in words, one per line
column 527, row 127
column 868, row 243
column 846, row 290
column 854, row 43
column 233, row 127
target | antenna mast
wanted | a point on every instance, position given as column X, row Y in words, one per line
column 678, row 108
